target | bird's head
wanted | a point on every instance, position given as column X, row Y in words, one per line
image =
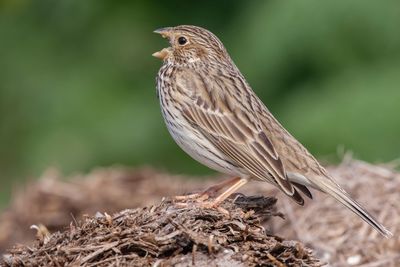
column 190, row 44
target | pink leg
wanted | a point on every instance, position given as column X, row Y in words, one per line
column 229, row 191
column 222, row 197
column 209, row 192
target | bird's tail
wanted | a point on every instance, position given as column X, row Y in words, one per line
column 330, row 187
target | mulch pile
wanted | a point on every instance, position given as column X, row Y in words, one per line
column 55, row 201
column 167, row 234
column 334, row 233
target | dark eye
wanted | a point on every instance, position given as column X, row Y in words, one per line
column 182, row 40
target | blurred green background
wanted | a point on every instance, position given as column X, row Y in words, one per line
column 77, row 80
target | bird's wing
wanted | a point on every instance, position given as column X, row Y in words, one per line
column 233, row 128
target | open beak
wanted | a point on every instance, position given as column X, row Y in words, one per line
column 163, row 54
column 165, row 33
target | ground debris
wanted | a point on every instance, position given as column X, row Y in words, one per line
column 334, row 233
column 53, row 200
column 167, row 235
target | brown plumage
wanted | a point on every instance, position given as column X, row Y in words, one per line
column 214, row 116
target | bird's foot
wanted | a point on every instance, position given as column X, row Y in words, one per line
column 202, row 204
column 198, row 197
column 210, row 192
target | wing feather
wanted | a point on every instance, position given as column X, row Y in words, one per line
column 242, row 142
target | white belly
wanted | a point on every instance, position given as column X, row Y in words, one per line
column 197, row 146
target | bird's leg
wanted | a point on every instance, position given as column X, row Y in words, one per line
column 209, row 192
column 214, row 204
column 236, row 182
column 213, row 190
column 239, row 183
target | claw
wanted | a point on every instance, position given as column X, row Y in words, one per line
column 203, row 205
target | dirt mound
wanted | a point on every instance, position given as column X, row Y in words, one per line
column 54, row 200
column 335, row 234
column 167, row 234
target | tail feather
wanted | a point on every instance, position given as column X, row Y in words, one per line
column 303, row 189
column 333, row 189
column 297, row 198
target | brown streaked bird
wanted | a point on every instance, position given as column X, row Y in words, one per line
column 213, row 115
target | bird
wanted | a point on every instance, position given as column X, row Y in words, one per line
column 213, row 114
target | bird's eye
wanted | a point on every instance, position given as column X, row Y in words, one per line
column 182, row 40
